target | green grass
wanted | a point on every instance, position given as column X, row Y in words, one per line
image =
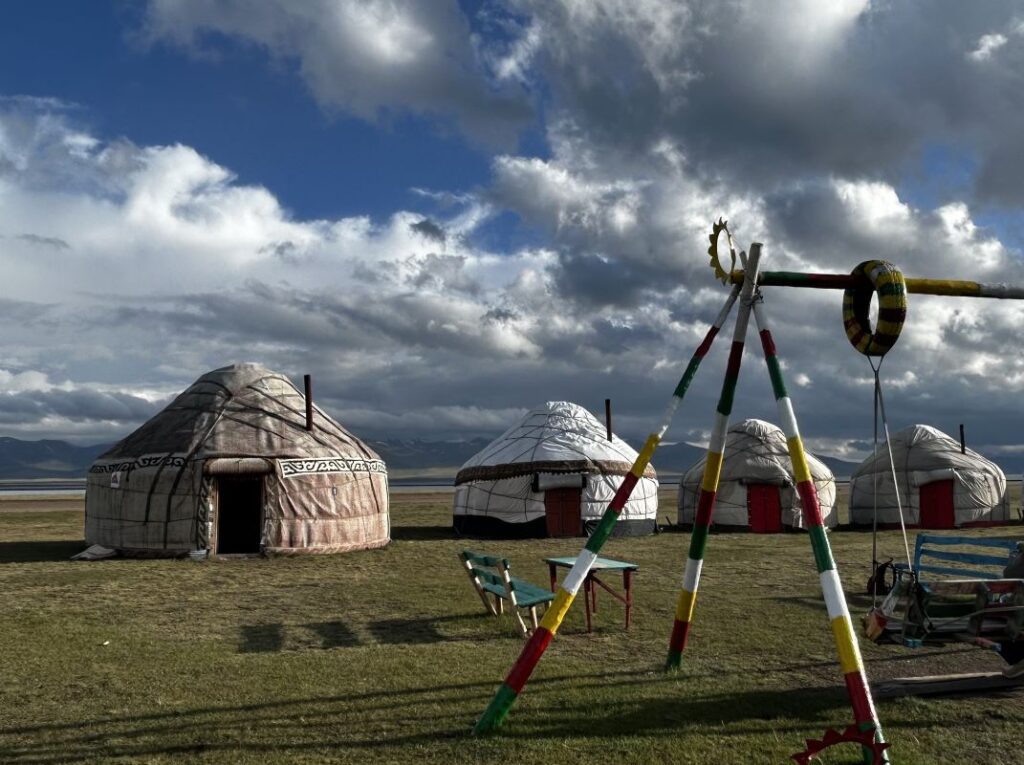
column 387, row 656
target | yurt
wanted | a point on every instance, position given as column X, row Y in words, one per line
column 940, row 486
column 237, row 464
column 551, row 475
column 757, row 491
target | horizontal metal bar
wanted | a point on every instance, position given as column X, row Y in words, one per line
column 949, row 287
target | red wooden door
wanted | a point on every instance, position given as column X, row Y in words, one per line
column 937, row 505
column 764, row 509
column 562, row 511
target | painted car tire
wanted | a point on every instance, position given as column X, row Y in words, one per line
column 887, row 281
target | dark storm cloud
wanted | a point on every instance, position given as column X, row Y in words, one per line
column 759, row 96
column 429, row 229
column 44, row 241
column 595, row 281
column 76, row 405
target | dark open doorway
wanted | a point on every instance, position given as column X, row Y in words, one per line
column 239, row 514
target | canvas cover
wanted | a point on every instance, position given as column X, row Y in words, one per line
column 554, row 445
column 155, row 491
column 923, row 455
column 756, row 453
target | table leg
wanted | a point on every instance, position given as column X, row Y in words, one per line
column 588, row 589
column 627, row 583
column 593, row 595
column 552, row 574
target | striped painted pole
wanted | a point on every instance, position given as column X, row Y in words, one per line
column 520, row 673
column 835, row 601
column 948, row 287
column 687, row 600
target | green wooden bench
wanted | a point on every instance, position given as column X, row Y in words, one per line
column 491, row 575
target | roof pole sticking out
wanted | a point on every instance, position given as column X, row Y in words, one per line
column 307, row 384
column 608, row 417
column 963, row 443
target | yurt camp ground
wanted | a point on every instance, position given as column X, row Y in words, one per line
column 386, row 655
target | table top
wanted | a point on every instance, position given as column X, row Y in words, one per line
column 601, row 564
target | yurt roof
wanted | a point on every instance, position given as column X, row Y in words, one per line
column 242, row 410
column 922, row 447
column 557, row 437
column 756, row 450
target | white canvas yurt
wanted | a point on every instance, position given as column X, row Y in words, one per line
column 756, row 490
column 940, row 487
column 233, row 465
column 552, row 474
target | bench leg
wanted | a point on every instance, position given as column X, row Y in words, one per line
column 588, row 590
column 522, row 624
column 499, row 604
column 533, row 615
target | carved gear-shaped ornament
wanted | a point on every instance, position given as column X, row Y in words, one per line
column 716, row 229
column 852, row 735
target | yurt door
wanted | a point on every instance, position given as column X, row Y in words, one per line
column 562, row 510
column 239, row 514
column 937, row 505
column 764, row 508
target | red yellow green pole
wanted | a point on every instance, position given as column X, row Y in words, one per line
column 528, row 659
column 832, row 589
column 687, row 600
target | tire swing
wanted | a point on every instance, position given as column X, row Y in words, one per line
column 885, row 280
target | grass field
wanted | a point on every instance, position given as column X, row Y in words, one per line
column 387, row 656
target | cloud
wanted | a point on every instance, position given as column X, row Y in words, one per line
column 794, row 89
column 987, row 45
column 801, row 126
column 371, row 59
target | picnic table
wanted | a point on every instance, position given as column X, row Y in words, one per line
column 590, row 591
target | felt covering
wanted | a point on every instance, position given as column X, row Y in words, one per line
column 550, row 447
column 924, row 455
column 156, row 491
column 756, row 453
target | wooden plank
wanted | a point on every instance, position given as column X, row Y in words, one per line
column 931, row 685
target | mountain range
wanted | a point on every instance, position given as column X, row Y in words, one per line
column 406, row 458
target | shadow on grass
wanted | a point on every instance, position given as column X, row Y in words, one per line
column 421, row 533
column 40, row 552
column 261, row 638
column 443, row 713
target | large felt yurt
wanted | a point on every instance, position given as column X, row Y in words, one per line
column 940, row 486
column 237, row 464
column 552, row 474
column 757, row 490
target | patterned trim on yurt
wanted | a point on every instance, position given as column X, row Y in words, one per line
column 511, row 470
column 293, row 468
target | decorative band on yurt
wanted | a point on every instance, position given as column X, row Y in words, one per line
column 887, row 281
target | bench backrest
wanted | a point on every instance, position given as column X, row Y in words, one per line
column 490, row 570
column 985, row 558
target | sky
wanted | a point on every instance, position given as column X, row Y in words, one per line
column 449, row 212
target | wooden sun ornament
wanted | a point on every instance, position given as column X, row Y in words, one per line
column 869, row 747
column 716, row 229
